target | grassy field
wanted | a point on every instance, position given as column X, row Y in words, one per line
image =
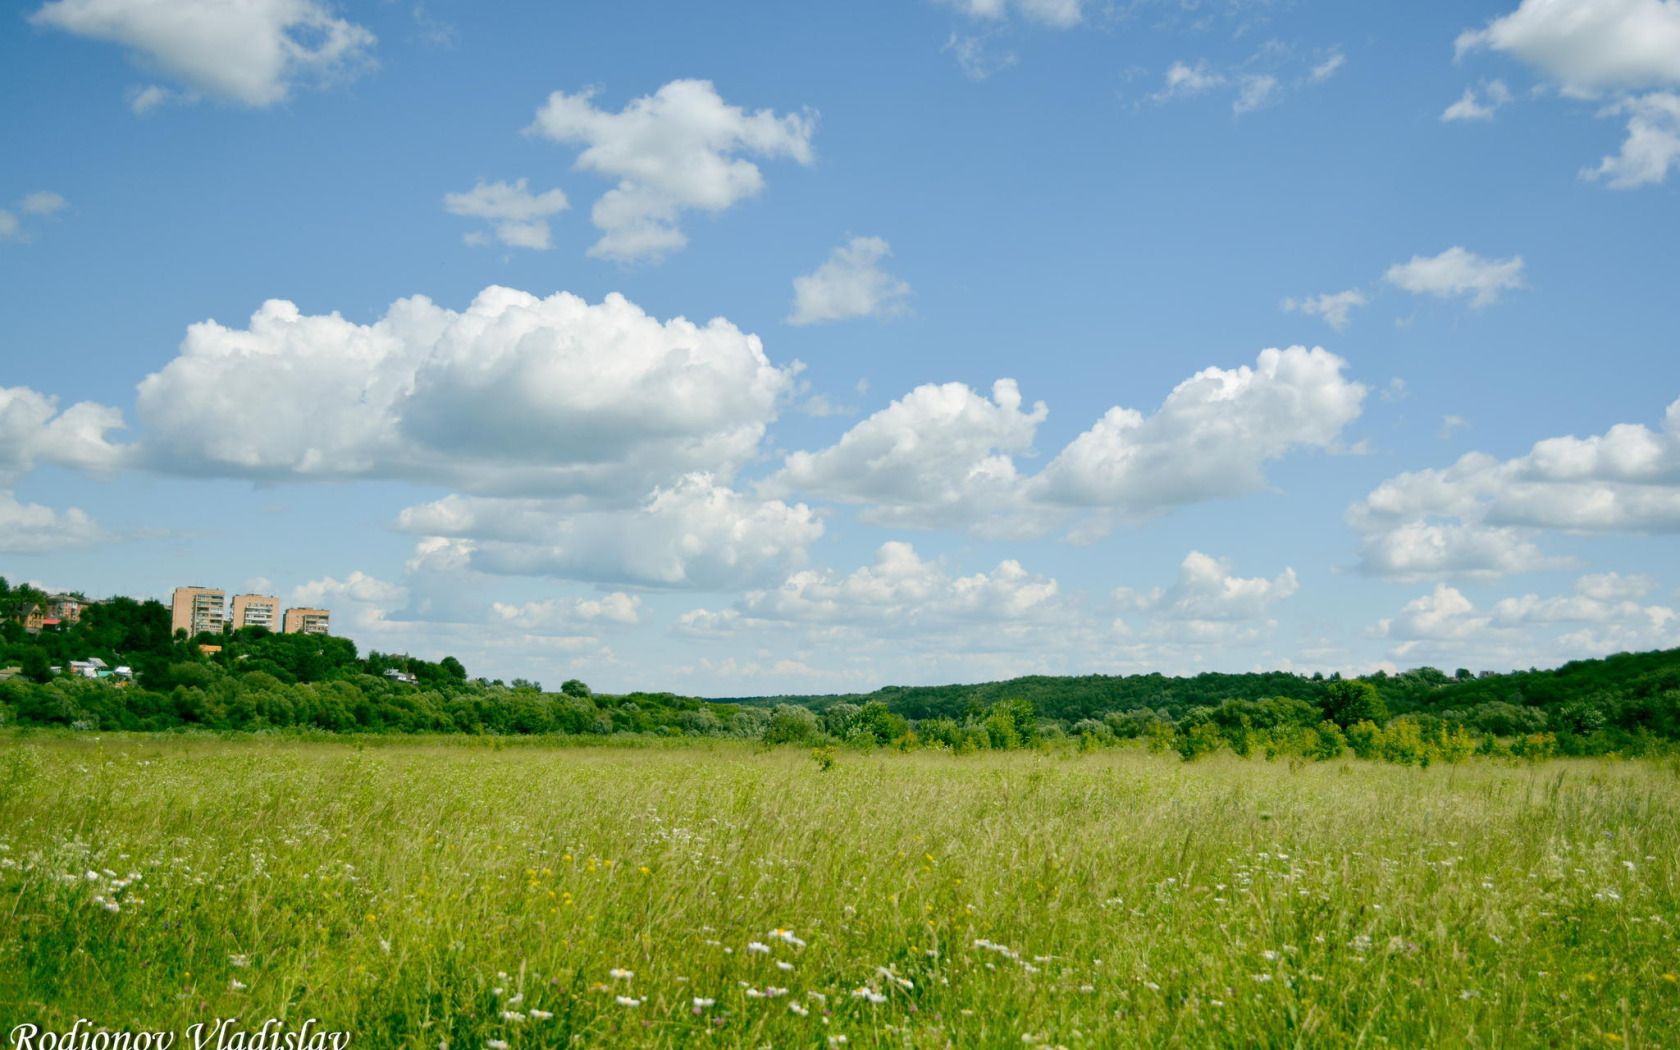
column 433, row 894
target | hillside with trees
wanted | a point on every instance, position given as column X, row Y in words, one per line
column 254, row 680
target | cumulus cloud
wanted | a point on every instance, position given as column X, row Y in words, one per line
column 253, row 52
column 1471, row 106
column 1478, row 515
column 937, row 456
column 1652, row 145
column 356, row 587
column 1211, row 437
column 1457, row 272
column 1208, row 604
column 1442, row 615
column 514, row 395
column 1333, row 308
column 904, row 603
column 1614, row 587
column 563, row 614
column 1413, row 551
column 1589, row 46
column 517, row 217
column 679, row 148
column 849, row 284
column 944, row 455
column 33, row 430
column 1447, row 624
column 30, row 528
column 694, row 533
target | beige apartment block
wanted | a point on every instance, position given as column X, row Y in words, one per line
column 196, row 610
column 256, row 610
column 307, row 621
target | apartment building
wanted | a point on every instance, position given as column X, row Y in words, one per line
column 306, row 621
column 196, row 610
column 255, row 610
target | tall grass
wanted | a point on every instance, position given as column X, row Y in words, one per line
column 428, row 895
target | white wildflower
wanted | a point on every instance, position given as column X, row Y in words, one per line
column 620, row 975
column 758, row 947
column 625, row 1000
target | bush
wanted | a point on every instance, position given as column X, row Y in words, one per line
column 1505, row 719
column 1201, row 739
column 1328, row 742
column 1366, row 739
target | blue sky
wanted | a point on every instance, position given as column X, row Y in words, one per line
column 748, row 348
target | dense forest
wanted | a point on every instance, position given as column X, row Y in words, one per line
column 254, row 680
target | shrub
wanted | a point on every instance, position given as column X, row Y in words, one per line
column 1366, row 739
column 1328, row 742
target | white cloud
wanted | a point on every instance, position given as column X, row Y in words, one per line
column 1206, row 604
column 1447, row 626
column 1184, row 81
column 357, row 587
column 1444, row 614
column 1414, row 551
column 937, row 456
column 1589, row 45
column 42, row 202
column 906, row 609
column 679, row 148
column 943, row 455
column 518, row 217
column 1614, row 587
column 976, row 58
column 29, row 528
column 515, row 395
column 142, row 100
column 1211, row 437
column 32, row 431
column 849, row 284
column 1327, row 69
column 562, row 614
column 1457, row 272
column 694, row 533
column 1255, row 91
column 1652, row 145
column 1333, row 308
column 1061, row 14
column 1450, row 425
column 903, row 589
column 1478, row 515
column 252, row 52
column 1494, row 95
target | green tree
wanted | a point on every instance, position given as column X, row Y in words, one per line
column 1350, row 701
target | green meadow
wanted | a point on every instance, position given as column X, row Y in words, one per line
column 440, row 893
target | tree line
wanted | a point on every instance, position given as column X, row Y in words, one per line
column 253, row 680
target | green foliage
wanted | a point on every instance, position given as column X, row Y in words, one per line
column 1350, row 701
column 1328, row 742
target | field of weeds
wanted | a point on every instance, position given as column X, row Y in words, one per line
column 435, row 895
